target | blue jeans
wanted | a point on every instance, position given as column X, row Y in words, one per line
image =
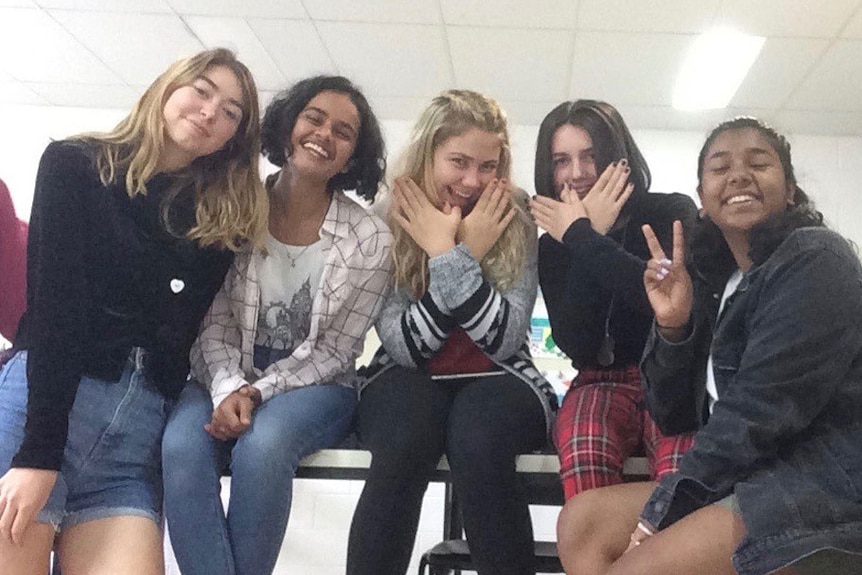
column 111, row 462
column 263, row 462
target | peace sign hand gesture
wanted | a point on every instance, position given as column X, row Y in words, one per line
column 668, row 285
column 485, row 223
column 432, row 229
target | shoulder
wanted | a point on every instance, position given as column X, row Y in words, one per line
column 363, row 226
column 69, row 153
column 658, row 207
column 816, row 239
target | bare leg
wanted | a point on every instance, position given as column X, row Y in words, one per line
column 594, row 526
column 125, row 545
column 31, row 558
column 702, row 542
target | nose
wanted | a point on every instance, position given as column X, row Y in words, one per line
column 739, row 174
column 471, row 178
column 324, row 131
column 209, row 109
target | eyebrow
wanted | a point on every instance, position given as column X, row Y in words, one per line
column 341, row 123
column 216, row 87
column 724, row 153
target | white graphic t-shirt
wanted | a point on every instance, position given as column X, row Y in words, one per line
column 289, row 278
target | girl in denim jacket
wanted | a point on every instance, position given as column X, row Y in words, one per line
column 759, row 350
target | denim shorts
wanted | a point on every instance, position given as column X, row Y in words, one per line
column 112, row 460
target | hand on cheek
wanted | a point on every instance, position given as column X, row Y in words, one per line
column 431, row 228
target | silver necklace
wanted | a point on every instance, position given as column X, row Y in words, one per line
column 293, row 259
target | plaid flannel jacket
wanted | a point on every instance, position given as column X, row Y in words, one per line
column 353, row 286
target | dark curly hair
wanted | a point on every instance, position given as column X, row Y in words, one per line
column 367, row 165
column 611, row 138
column 708, row 250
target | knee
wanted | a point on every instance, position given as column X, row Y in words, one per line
column 579, row 522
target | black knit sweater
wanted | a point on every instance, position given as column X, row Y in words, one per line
column 104, row 275
column 588, row 276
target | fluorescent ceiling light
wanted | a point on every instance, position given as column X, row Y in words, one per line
column 714, row 68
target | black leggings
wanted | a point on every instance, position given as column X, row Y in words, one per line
column 407, row 421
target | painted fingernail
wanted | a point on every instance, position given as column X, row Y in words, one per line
column 665, row 262
column 624, row 162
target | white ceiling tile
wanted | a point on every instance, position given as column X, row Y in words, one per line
column 236, row 34
column 833, row 85
column 45, row 52
column 527, row 113
column 644, row 117
column 406, row 60
column 518, row 64
column 640, row 69
column 12, row 92
column 240, row 8
column 786, row 17
column 18, row 4
column 135, row 6
column 680, row 16
column 763, row 87
column 389, row 108
column 515, row 13
column 144, row 54
column 705, row 120
column 815, row 122
column 295, row 47
column 854, row 26
column 404, row 11
column 87, row 96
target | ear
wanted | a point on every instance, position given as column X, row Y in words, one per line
column 791, row 193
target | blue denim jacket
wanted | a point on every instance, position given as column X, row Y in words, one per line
column 786, row 433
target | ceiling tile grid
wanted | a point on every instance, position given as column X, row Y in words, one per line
column 527, row 55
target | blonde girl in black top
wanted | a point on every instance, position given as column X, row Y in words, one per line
column 131, row 234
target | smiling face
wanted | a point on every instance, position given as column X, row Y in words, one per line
column 464, row 165
column 324, row 136
column 743, row 181
column 573, row 160
column 201, row 117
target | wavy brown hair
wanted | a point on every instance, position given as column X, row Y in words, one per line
column 450, row 114
column 230, row 203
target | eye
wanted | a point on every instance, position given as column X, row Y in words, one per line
column 559, row 162
column 460, row 162
column 344, row 135
column 201, row 91
column 232, row 114
column 718, row 170
column 488, row 168
column 315, row 119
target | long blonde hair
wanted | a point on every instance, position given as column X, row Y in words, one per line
column 450, row 114
column 230, row 203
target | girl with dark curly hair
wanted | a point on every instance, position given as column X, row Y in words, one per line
column 274, row 362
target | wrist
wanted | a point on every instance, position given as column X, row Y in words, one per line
column 252, row 393
column 673, row 333
column 439, row 250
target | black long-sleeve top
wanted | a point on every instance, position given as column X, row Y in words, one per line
column 585, row 274
column 104, row 275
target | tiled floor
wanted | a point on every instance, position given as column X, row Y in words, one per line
column 316, row 539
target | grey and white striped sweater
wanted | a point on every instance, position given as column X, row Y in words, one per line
column 412, row 331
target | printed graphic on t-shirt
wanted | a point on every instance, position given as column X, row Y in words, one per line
column 284, row 326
